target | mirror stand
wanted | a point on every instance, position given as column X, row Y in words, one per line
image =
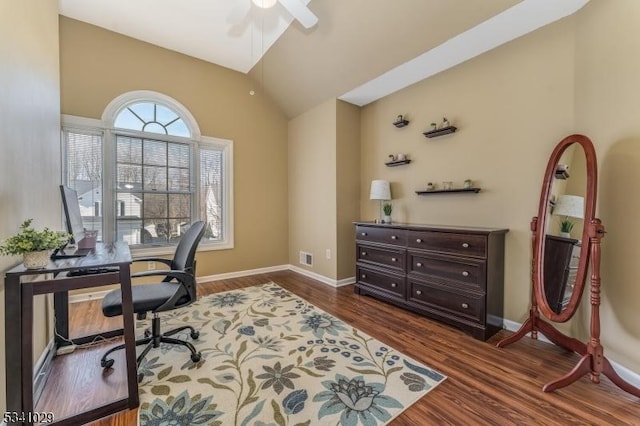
column 592, row 361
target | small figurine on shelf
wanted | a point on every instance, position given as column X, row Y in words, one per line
column 445, row 123
column 399, row 119
column 430, row 186
column 392, row 158
column 468, row 184
column 434, row 126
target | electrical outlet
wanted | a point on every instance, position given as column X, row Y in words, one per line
column 328, row 254
column 151, row 265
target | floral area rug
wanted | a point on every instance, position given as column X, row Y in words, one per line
column 270, row 358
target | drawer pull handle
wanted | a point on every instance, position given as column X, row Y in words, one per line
column 418, row 292
column 418, row 240
column 393, row 259
column 364, row 234
column 364, row 253
column 393, row 237
column 364, row 275
column 465, row 274
column 465, row 306
column 419, row 265
column 394, row 285
column 465, row 245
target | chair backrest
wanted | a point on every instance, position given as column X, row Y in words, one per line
column 184, row 257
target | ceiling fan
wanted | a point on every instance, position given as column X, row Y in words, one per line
column 297, row 8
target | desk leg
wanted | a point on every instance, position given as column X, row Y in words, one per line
column 61, row 312
column 13, row 342
column 27, row 348
column 129, row 335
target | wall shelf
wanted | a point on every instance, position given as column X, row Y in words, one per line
column 397, row 163
column 401, row 123
column 448, row 191
column 440, row 132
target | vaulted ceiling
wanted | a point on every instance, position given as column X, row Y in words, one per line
column 345, row 55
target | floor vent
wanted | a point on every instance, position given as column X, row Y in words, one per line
column 306, row 258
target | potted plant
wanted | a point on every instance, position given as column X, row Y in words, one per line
column 565, row 228
column 387, row 208
column 34, row 246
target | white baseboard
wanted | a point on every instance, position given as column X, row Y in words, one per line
column 322, row 278
column 238, row 274
column 85, row 297
column 627, row 375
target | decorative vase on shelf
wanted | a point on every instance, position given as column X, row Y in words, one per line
column 36, row 259
column 386, row 219
column 565, row 234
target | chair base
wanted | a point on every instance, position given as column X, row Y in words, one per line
column 153, row 339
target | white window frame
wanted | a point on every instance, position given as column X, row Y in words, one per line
column 105, row 126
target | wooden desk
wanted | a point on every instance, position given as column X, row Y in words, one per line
column 19, row 294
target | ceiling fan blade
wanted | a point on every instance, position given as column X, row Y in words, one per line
column 241, row 9
column 301, row 12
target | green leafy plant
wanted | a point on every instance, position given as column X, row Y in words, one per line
column 29, row 239
column 387, row 208
column 566, row 226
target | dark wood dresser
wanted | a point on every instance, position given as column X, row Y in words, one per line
column 561, row 258
column 451, row 274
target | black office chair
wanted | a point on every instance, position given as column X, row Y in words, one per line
column 177, row 289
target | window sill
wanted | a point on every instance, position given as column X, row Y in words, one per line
column 170, row 250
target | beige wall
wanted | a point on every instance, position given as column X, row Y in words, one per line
column 347, row 185
column 29, row 134
column 607, row 105
column 312, row 188
column 511, row 106
column 98, row 65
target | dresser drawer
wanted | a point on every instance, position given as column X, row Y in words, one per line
column 469, row 306
column 461, row 272
column 388, row 258
column 389, row 283
column 449, row 242
column 381, row 235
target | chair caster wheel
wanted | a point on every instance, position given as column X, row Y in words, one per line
column 195, row 334
column 106, row 363
column 147, row 333
column 140, row 377
column 196, row 357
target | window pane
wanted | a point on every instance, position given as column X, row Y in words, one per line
column 155, row 178
column 83, row 162
column 128, row 204
column 154, row 128
column 211, row 192
column 155, row 152
column 129, row 150
column 179, row 180
column 179, row 205
column 178, row 228
column 179, row 128
column 144, row 110
column 156, row 231
column 129, row 230
column 179, row 155
column 127, row 120
column 155, row 206
column 164, row 115
column 129, row 177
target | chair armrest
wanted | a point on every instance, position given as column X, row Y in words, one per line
column 179, row 275
column 154, row 259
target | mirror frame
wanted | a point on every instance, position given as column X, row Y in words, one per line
column 542, row 218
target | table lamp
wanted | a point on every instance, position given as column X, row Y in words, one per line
column 568, row 206
column 380, row 190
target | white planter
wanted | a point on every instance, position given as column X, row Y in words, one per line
column 386, row 219
column 36, row 259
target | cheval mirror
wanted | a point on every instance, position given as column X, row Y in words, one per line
column 566, row 242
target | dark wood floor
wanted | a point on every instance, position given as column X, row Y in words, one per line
column 485, row 385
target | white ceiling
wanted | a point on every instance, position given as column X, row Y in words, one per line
column 360, row 51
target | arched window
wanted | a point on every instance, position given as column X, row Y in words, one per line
column 155, row 173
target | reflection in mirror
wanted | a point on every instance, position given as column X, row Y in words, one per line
column 564, row 229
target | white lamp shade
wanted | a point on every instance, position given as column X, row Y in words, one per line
column 380, row 190
column 569, row 205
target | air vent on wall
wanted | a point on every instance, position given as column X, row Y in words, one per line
column 306, row 258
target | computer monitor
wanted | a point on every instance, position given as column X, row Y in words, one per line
column 82, row 238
